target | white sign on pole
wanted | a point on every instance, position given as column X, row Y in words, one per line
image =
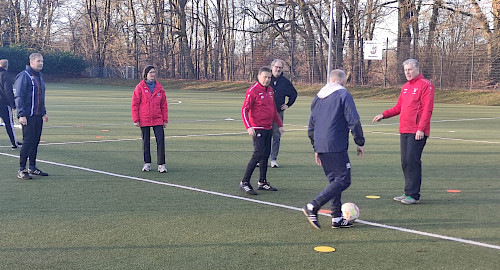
column 373, row 50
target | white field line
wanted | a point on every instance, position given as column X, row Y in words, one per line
column 303, row 128
column 437, row 138
column 470, row 242
column 238, row 133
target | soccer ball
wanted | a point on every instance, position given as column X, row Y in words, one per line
column 350, row 211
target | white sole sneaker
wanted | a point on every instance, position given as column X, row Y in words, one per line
column 146, row 167
column 162, row 169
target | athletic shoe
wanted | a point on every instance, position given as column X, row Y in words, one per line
column 16, row 146
column 409, row 200
column 312, row 215
column 266, row 186
column 247, row 188
column 400, row 198
column 24, row 175
column 37, row 172
column 162, row 169
column 343, row 223
column 146, row 167
column 257, row 165
column 274, row 164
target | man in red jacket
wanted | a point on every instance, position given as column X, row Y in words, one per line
column 258, row 114
column 415, row 105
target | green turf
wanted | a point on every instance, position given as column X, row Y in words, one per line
column 79, row 219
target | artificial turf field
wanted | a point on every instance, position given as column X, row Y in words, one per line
column 97, row 210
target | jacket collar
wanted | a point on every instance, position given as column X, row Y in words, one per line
column 420, row 76
column 28, row 68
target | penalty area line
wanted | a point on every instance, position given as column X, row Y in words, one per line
column 433, row 235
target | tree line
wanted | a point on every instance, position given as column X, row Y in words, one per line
column 231, row 39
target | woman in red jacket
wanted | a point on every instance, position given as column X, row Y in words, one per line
column 149, row 109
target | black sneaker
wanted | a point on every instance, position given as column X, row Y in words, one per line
column 247, row 188
column 312, row 215
column 16, row 146
column 343, row 223
column 23, row 175
column 37, row 172
column 266, row 186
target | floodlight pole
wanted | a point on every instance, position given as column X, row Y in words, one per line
column 330, row 47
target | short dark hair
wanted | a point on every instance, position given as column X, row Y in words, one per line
column 264, row 69
column 146, row 71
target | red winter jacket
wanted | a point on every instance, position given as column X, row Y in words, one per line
column 415, row 105
column 149, row 109
column 259, row 110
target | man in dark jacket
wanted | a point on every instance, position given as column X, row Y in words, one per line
column 333, row 115
column 7, row 103
column 283, row 88
column 30, row 101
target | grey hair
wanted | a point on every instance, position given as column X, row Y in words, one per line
column 4, row 63
column 411, row 61
column 34, row 56
column 276, row 60
column 338, row 75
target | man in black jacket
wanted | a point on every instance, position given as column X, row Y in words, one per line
column 30, row 101
column 7, row 103
column 283, row 88
column 333, row 115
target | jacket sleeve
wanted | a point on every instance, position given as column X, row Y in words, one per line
column 310, row 127
column 164, row 107
column 22, row 87
column 427, row 101
column 136, row 103
column 396, row 110
column 245, row 109
column 353, row 121
column 8, row 93
column 292, row 94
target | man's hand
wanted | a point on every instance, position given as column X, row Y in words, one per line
column 284, row 107
column 419, row 135
column 377, row 118
column 137, row 124
column 251, row 131
column 23, row 121
column 165, row 124
column 360, row 151
column 318, row 160
column 45, row 118
column 281, row 130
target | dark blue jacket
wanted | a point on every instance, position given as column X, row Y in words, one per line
column 6, row 93
column 333, row 114
column 283, row 88
column 30, row 93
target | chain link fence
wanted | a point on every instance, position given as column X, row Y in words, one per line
column 472, row 64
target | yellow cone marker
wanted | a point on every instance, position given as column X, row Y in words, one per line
column 372, row 197
column 324, row 249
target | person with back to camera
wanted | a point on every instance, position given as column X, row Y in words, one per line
column 333, row 115
column 259, row 113
column 150, row 110
column 7, row 103
column 414, row 107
